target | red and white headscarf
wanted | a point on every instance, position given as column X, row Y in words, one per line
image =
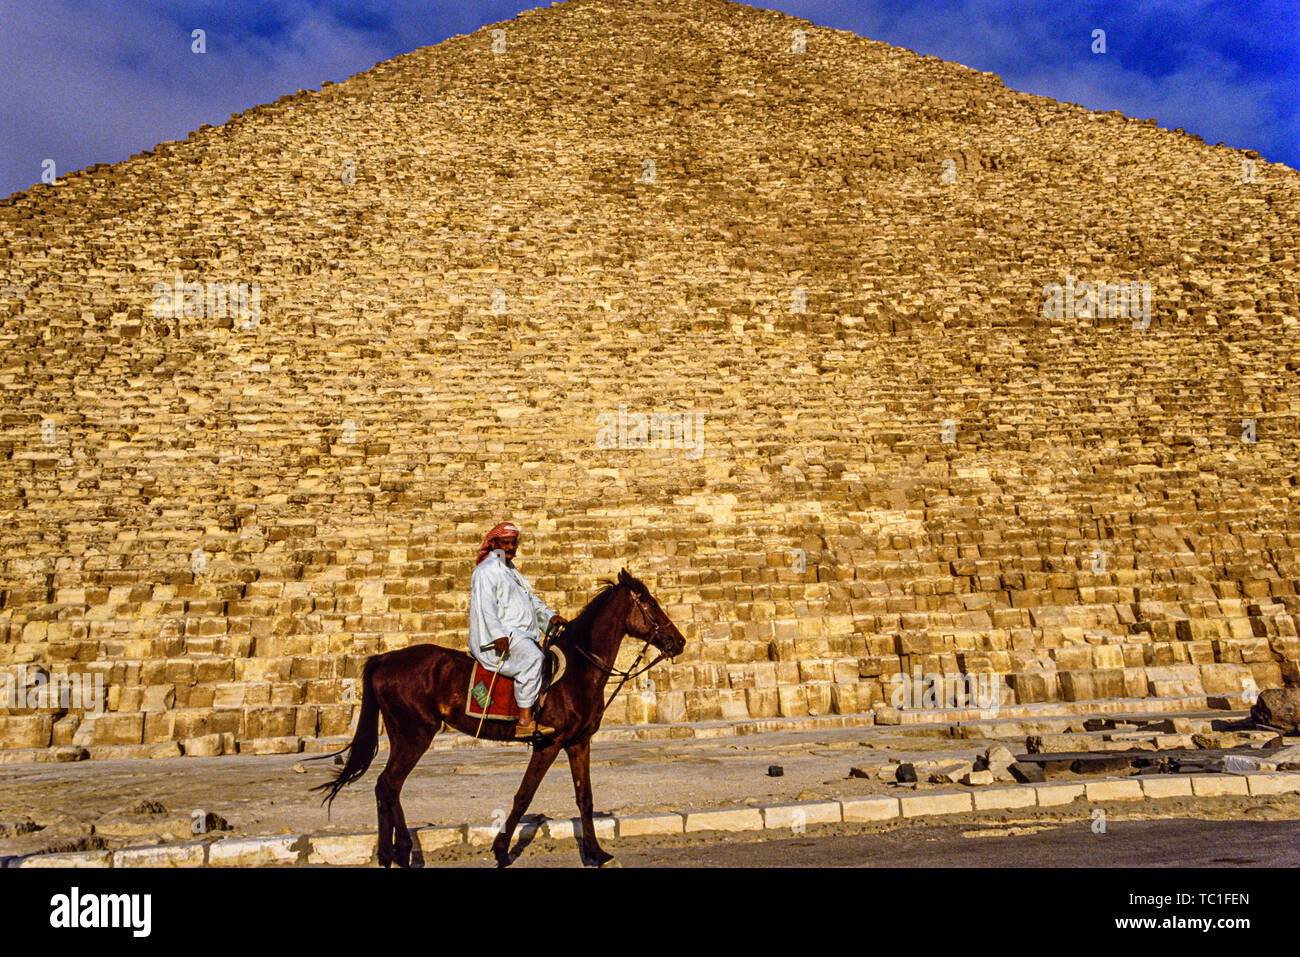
column 497, row 531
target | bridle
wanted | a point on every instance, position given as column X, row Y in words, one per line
column 608, row 670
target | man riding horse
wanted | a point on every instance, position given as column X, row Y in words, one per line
column 507, row 621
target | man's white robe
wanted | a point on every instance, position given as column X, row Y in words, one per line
column 502, row 605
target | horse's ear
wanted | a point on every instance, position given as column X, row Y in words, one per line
column 623, row 576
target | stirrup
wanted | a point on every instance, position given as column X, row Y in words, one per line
column 536, row 729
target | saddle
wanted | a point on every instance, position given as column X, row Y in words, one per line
column 501, row 705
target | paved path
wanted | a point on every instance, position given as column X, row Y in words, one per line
column 1182, row 842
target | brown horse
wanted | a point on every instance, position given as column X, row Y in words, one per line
column 421, row 688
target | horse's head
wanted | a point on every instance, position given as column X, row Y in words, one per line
column 647, row 621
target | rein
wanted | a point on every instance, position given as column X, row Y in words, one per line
column 609, row 670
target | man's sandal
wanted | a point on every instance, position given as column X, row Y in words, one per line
column 531, row 730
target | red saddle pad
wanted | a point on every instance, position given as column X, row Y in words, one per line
column 502, row 705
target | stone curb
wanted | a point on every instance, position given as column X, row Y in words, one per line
column 358, row 850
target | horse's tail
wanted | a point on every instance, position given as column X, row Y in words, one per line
column 365, row 743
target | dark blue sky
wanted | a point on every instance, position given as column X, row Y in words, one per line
column 93, row 81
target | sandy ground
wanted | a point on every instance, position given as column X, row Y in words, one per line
column 97, row 804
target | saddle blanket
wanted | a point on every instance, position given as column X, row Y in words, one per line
column 502, row 705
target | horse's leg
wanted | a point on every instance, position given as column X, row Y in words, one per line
column 538, row 765
column 405, row 750
column 580, row 765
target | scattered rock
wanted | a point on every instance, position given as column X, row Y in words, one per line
column 906, row 774
column 172, row 749
column 951, row 772
column 68, row 753
column 63, row 834
column 1278, row 708
column 207, row 746
column 1243, row 762
column 775, row 771
column 999, row 754
column 145, row 807
column 1027, row 772
column 86, row 842
column 997, row 760
column 1288, row 755
column 888, row 716
column 977, row 778
column 24, row 825
column 210, row 822
column 135, row 826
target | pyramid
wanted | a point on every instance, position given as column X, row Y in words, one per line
column 867, row 365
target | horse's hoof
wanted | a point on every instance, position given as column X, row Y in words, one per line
column 612, row 862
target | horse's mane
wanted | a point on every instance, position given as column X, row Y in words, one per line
column 578, row 630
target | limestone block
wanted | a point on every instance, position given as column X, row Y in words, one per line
column 342, row 850
column 1218, row 785
column 255, row 851
column 640, row 825
column 570, row 829
column 733, row 705
column 76, row 859
column 1273, row 783
column 702, row 705
column 643, row 708
column 480, row 834
column 1129, row 789
column 778, row 816
column 271, row 722
column 844, row 698
column 1166, row 785
column 1221, row 679
column 762, row 702
column 818, row 699
column 207, row 746
column 432, row 838
column 992, row 798
column 164, row 855
column 111, row 729
column 920, row 805
column 28, row 731
column 727, row 819
column 1109, row 657
column 672, row 707
column 290, row 745
column 1053, row 795
column 870, row 808
column 792, row 701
